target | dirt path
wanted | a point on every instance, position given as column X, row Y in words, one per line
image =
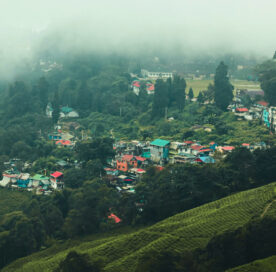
column 266, row 208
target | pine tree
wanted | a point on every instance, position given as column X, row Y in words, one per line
column 56, row 109
column 223, row 88
column 274, row 57
column 160, row 99
column 200, row 97
column 191, row 93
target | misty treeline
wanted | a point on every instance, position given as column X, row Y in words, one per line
column 83, row 207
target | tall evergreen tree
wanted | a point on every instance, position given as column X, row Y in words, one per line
column 43, row 89
column 160, row 99
column 200, row 97
column 191, row 93
column 179, row 86
column 274, row 57
column 56, row 108
column 223, row 88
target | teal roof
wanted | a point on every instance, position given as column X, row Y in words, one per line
column 159, row 142
column 66, row 109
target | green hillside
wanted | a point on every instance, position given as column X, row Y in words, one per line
column 264, row 265
column 186, row 231
column 11, row 200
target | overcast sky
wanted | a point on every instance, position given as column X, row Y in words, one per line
column 192, row 26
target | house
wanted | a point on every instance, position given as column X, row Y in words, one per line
column 55, row 136
column 156, row 75
column 49, row 110
column 66, row 143
column 266, row 117
column 241, row 112
column 183, row 158
column 39, row 180
column 138, row 172
column 23, row 180
column 129, row 161
column 136, row 87
column 115, row 218
column 206, row 159
column 111, row 172
column 56, row 180
column 150, row 88
column 246, row 145
column 9, row 177
column 159, row 150
column 262, row 104
column 122, row 165
column 225, row 149
column 67, row 112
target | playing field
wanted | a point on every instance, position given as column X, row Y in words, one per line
column 200, row 85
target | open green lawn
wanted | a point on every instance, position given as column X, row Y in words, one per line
column 264, row 265
column 185, row 231
column 199, row 85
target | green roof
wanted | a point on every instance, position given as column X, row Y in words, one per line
column 39, row 177
column 159, row 142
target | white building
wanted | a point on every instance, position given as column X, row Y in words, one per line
column 155, row 75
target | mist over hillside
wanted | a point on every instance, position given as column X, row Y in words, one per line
column 143, row 28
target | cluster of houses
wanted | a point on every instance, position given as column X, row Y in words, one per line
column 61, row 138
column 136, row 87
column 133, row 158
column 38, row 183
column 260, row 110
column 65, row 112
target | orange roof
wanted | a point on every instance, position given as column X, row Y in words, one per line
column 64, row 142
column 115, row 218
column 138, row 158
column 262, row 103
column 228, row 148
column 241, row 109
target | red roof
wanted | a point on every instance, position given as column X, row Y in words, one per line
column 188, row 142
column 228, row 148
column 141, row 170
column 196, row 147
column 115, row 218
column 136, row 84
column 262, row 103
column 64, row 142
column 160, row 168
column 241, row 109
column 57, row 174
column 110, row 169
column 212, row 143
column 206, row 150
column 138, row 158
column 150, row 87
column 244, row 144
column 127, row 157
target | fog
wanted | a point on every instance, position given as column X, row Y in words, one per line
column 189, row 27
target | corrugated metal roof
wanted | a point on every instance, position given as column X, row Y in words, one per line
column 159, row 142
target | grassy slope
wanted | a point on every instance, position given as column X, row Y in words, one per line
column 11, row 200
column 263, row 265
column 186, row 231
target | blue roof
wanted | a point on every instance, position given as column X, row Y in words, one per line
column 159, row 142
column 207, row 159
